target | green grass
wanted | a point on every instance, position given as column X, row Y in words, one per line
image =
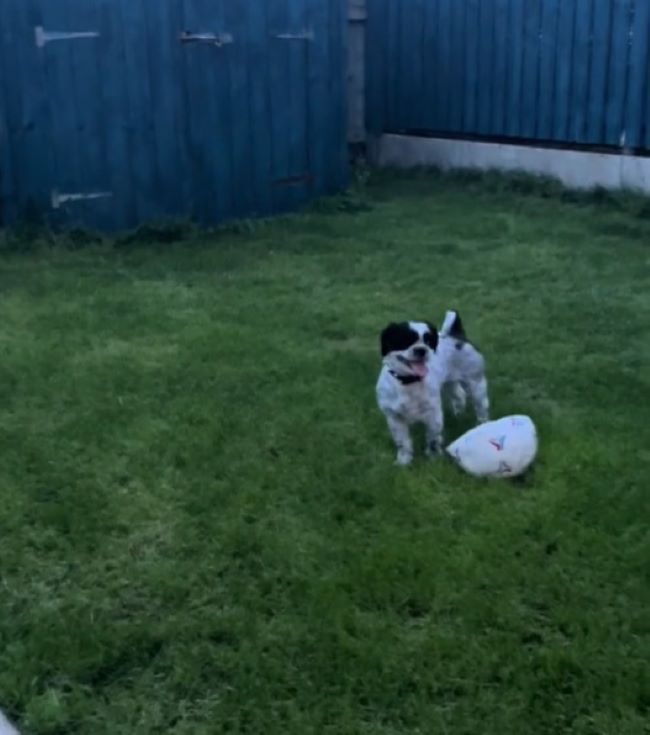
column 202, row 530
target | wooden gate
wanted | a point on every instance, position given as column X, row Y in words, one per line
column 115, row 112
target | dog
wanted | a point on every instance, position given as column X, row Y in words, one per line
column 417, row 363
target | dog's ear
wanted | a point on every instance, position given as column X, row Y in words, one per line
column 387, row 339
column 453, row 326
column 431, row 338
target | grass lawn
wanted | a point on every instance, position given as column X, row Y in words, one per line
column 202, row 530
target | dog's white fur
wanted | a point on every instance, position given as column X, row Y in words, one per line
column 455, row 364
column 6, row 728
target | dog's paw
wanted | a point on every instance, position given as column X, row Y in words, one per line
column 434, row 449
column 404, row 458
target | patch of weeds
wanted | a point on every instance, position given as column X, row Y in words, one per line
column 80, row 238
column 628, row 229
column 349, row 202
column 520, row 184
column 161, row 233
column 355, row 199
column 33, row 239
column 24, row 239
column 247, row 226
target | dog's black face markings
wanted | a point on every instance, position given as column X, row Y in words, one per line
column 431, row 337
column 397, row 337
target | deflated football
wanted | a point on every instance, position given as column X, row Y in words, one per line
column 502, row 448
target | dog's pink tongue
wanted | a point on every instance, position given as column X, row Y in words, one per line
column 419, row 368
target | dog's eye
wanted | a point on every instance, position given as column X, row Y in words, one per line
column 431, row 340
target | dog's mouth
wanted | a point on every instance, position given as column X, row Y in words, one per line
column 417, row 367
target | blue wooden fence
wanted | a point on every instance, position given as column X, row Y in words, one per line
column 571, row 72
column 115, row 112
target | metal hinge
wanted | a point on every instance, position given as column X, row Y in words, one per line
column 213, row 39
column 58, row 199
column 42, row 36
column 305, row 35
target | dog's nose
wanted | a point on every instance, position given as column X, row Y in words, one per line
column 419, row 352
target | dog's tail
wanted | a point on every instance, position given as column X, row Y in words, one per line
column 453, row 326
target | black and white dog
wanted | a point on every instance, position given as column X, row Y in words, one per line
column 417, row 363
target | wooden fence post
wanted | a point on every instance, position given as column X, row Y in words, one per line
column 357, row 15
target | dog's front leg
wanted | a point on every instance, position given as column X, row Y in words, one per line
column 434, row 430
column 399, row 430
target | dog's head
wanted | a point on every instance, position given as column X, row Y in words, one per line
column 406, row 347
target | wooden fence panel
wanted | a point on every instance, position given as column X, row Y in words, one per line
column 574, row 72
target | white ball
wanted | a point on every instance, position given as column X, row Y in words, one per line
column 502, row 448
